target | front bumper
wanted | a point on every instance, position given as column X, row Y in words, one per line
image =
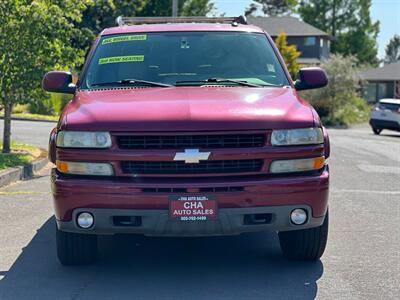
column 157, row 223
column 106, row 198
column 384, row 124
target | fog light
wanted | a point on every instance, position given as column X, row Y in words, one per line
column 298, row 216
column 85, row 220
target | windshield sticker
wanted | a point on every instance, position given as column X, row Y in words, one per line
column 121, row 59
column 125, row 38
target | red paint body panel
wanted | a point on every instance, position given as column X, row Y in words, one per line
column 117, row 193
column 187, row 109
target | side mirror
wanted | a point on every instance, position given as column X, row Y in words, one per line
column 58, row 82
column 311, row 78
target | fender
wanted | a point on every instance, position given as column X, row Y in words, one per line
column 52, row 145
column 327, row 144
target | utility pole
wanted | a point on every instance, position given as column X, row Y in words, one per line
column 174, row 8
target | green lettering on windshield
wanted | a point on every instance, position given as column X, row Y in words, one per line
column 124, row 38
column 121, row 59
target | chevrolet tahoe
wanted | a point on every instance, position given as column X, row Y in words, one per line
column 188, row 127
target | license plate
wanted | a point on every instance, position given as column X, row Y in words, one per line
column 192, row 208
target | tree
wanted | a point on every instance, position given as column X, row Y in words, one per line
column 102, row 14
column 392, row 50
column 289, row 54
column 349, row 21
column 197, row 8
column 185, row 8
column 34, row 37
column 272, row 7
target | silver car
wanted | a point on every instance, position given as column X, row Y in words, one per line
column 385, row 115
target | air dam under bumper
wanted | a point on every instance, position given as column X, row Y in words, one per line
column 230, row 221
column 124, row 197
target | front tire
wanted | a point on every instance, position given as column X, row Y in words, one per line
column 376, row 130
column 76, row 248
column 305, row 244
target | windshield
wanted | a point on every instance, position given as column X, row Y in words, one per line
column 184, row 58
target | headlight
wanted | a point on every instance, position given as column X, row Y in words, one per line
column 302, row 136
column 296, row 165
column 82, row 168
column 83, row 139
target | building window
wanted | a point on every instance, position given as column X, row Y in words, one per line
column 309, row 41
column 370, row 92
column 375, row 91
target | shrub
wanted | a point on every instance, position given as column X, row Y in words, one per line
column 58, row 101
column 338, row 103
column 354, row 111
column 42, row 107
column 289, row 54
column 52, row 105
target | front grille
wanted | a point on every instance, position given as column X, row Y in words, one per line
column 180, row 167
column 211, row 141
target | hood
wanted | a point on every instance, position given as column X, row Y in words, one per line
column 186, row 109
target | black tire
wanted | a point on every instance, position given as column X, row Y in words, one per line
column 76, row 248
column 305, row 244
column 376, row 130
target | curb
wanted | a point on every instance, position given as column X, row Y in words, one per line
column 22, row 172
column 30, row 120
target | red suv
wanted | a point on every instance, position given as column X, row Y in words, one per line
column 188, row 127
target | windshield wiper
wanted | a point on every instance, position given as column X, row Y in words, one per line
column 132, row 82
column 218, row 80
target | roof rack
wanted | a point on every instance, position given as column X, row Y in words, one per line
column 234, row 21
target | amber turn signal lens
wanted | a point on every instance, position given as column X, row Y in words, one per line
column 319, row 162
column 62, row 166
column 297, row 165
column 85, row 168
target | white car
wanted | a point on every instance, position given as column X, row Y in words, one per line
column 385, row 115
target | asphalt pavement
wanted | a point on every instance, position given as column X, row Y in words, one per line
column 34, row 133
column 362, row 259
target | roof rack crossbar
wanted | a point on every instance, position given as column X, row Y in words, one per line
column 121, row 21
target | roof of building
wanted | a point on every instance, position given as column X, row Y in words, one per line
column 289, row 25
column 179, row 27
column 385, row 73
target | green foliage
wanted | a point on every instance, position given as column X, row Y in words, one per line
column 35, row 37
column 349, row 22
column 353, row 111
column 196, row 8
column 272, row 7
column 58, row 102
column 21, row 155
column 289, row 54
column 392, row 50
column 102, row 14
column 185, row 8
column 338, row 103
column 20, row 108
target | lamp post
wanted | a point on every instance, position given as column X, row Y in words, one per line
column 174, row 8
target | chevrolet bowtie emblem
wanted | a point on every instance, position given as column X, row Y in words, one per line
column 192, row 156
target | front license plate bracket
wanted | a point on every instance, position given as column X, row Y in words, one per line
column 193, row 208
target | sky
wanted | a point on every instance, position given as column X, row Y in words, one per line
column 387, row 12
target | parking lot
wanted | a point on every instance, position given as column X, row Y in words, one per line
column 362, row 260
